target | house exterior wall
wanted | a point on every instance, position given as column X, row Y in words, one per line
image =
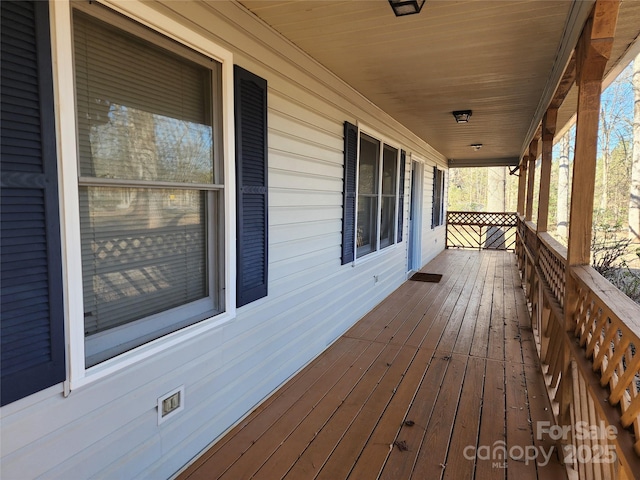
column 108, row 427
column 433, row 239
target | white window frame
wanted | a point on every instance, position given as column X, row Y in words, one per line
column 384, row 140
column 67, row 140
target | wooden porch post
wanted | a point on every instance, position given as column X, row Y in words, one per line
column 533, row 154
column 548, row 132
column 592, row 53
column 522, row 184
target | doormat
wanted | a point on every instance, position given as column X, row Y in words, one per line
column 426, row 277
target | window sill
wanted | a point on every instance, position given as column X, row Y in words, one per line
column 124, row 360
column 374, row 255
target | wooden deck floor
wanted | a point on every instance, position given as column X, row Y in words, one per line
column 433, row 375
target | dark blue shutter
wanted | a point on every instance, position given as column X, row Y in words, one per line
column 437, row 210
column 349, row 191
column 403, row 163
column 251, row 181
column 32, row 321
column 434, row 199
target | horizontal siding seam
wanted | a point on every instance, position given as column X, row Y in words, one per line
column 305, row 141
column 312, row 176
column 312, row 126
column 288, row 98
column 298, row 156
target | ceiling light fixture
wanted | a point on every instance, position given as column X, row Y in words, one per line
column 476, row 146
column 406, row 7
column 462, row 116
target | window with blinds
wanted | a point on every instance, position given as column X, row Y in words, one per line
column 150, row 186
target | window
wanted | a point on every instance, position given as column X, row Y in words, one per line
column 437, row 213
column 371, row 202
column 389, row 196
column 368, row 170
column 150, row 186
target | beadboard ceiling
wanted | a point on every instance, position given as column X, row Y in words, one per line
column 499, row 58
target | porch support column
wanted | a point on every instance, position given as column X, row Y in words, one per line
column 533, row 154
column 592, row 53
column 522, row 184
column 548, row 132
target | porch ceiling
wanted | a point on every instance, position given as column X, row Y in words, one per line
column 500, row 59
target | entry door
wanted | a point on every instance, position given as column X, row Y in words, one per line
column 415, row 217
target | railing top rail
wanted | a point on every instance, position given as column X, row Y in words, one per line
column 618, row 304
column 482, row 213
column 496, row 219
column 556, row 248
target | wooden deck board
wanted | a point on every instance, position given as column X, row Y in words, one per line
column 431, row 460
column 413, row 390
column 432, row 339
column 480, row 342
column 405, row 451
column 492, row 422
column 519, row 431
column 380, row 444
column 326, row 399
column 468, row 299
column 467, row 424
column 467, row 328
column 347, row 451
column 234, row 444
column 284, row 458
column 421, row 322
column 318, row 451
column 496, row 330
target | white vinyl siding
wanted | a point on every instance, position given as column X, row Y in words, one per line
column 108, row 428
column 433, row 239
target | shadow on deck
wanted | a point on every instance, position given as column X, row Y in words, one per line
column 437, row 381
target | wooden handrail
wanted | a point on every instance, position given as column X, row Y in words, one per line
column 592, row 363
column 608, row 325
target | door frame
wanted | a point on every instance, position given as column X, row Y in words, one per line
column 414, row 250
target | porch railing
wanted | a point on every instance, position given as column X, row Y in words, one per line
column 482, row 230
column 587, row 335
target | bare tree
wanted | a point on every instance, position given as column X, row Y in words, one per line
column 634, row 196
column 144, row 156
column 496, row 185
column 613, row 130
column 563, row 187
